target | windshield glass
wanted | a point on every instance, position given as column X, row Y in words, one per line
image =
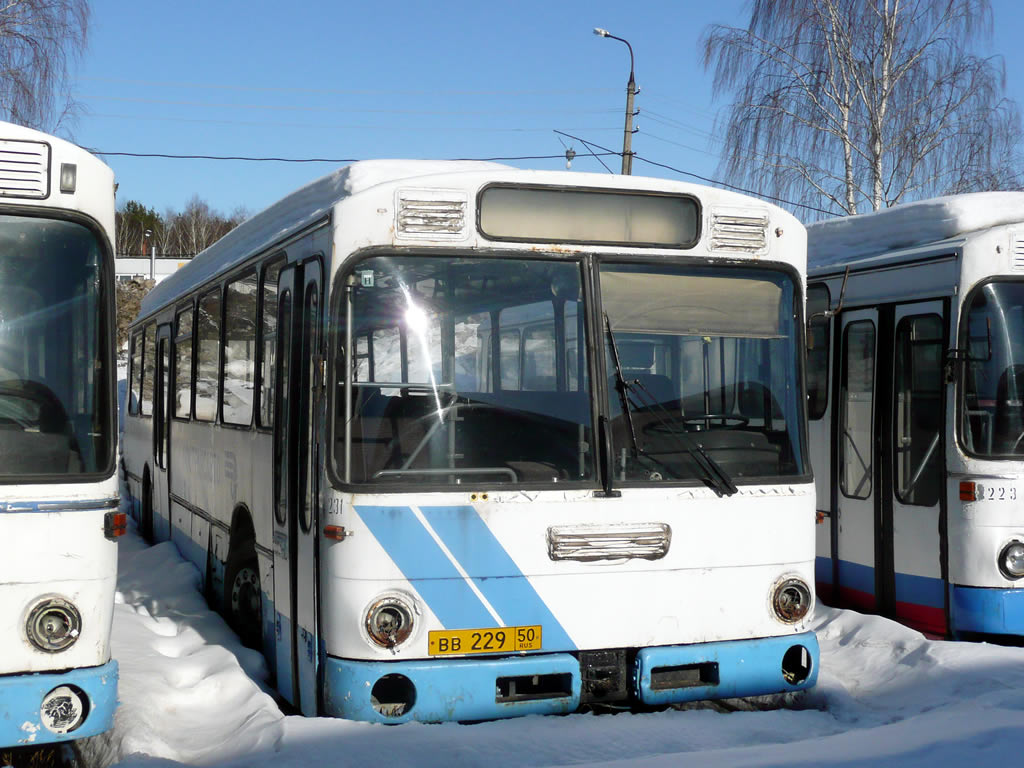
column 992, row 385
column 708, row 359
column 54, row 400
column 464, row 370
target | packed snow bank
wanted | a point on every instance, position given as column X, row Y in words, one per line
column 903, row 226
column 190, row 693
column 186, row 685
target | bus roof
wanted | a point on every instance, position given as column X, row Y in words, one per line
column 311, row 204
column 838, row 241
column 294, row 213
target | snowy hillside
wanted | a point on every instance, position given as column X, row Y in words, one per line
column 886, row 696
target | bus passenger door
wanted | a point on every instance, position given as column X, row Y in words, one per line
column 854, row 524
column 912, row 521
column 297, row 453
column 161, row 521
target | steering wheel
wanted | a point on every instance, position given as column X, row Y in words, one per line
column 1017, row 442
column 727, row 419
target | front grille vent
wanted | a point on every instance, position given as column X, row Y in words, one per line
column 743, row 233
column 1017, row 252
column 431, row 214
column 24, row 169
column 646, row 541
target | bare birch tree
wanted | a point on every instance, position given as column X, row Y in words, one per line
column 40, row 40
column 198, row 227
column 852, row 104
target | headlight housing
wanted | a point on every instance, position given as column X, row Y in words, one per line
column 791, row 600
column 389, row 621
column 1011, row 560
column 53, row 624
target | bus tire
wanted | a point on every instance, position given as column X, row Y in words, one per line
column 146, row 513
column 243, row 598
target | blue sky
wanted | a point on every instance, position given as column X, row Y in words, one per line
column 448, row 79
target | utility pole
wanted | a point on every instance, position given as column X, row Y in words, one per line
column 631, row 91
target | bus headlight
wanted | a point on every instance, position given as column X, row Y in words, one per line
column 389, row 621
column 53, row 625
column 1011, row 560
column 791, row 600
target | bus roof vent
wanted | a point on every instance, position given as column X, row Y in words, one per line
column 24, row 169
column 743, row 231
column 431, row 214
column 1017, row 251
column 647, row 541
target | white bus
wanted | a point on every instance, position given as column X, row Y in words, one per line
column 384, row 418
column 916, row 401
column 58, row 437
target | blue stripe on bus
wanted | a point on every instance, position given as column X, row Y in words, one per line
column 425, row 565
column 856, row 576
column 920, row 590
column 909, row 588
column 477, row 550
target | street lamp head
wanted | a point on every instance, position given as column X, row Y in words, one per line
column 600, row 32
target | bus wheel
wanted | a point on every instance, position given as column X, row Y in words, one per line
column 146, row 523
column 243, row 599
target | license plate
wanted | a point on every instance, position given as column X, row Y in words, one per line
column 445, row 642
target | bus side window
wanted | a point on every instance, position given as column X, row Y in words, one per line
column 918, row 410
column 539, row 359
column 509, row 359
column 268, row 343
column 148, row 370
column 208, row 354
column 239, row 350
column 182, row 403
column 135, row 375
column 818, row 339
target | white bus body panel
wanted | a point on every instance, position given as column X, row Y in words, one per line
column 714, row 583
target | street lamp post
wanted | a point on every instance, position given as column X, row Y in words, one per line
column 627, row 138
column 152, row 257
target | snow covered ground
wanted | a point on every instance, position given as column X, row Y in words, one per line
column 190, row 693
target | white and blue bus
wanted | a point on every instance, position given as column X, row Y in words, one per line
column 916, row 402
column 58, row 486
column 457, row 441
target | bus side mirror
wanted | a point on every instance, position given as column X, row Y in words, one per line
column 827, row 314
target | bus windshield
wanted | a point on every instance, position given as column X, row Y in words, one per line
column 992, row 384
column 707, row 381
column 465, row 369
column 476, row 369
column 54, row 414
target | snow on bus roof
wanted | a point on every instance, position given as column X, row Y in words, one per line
column 294, row 213
column 903, row 226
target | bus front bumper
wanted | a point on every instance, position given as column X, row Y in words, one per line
column 986, row 610
column 438, row 690
column 48, row 707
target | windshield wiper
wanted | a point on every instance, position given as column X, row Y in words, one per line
column 719, row 480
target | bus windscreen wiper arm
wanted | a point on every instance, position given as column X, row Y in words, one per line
column 622, row 385
column 717, row 477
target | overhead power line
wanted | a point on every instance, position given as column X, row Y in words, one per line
column 433, row 92
column 705, row 178
column 604, row 152
column 306, row 159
